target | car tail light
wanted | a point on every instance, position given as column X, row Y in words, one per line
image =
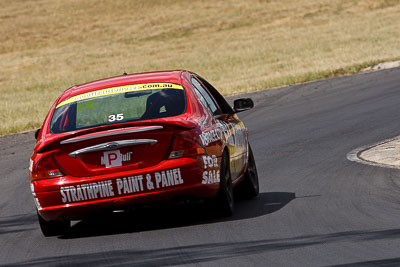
column 46, row 168
column 185, row 147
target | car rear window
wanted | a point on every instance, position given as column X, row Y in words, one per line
column 118, row 104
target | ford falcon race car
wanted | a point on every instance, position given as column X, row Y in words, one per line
column 136, row 140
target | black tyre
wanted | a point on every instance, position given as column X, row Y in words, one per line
column 225, row 200
column 53, row 228
column 249, row 187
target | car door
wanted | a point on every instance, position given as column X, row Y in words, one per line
column 230, row 126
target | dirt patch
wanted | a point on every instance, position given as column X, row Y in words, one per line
column 384, row 66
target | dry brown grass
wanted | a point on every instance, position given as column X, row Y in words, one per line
column 47, row 46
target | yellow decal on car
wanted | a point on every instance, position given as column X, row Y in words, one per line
column 119, row 90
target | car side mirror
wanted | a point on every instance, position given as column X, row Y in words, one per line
column 37, row 133
column 242, row 104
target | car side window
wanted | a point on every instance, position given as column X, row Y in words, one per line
column 205, row 97
column 220, row 100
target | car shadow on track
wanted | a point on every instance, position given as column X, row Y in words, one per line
column 178, row 215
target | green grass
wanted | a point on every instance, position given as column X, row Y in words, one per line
column 47, row 46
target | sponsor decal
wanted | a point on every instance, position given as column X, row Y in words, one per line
column 224, row 129
column 131, row 184
column 121, row 186
column 211, row 177
column 86, row 191
column 211, row 136
column 234, row 134
column 114, row 158
column 119, row 90
column 87, row 105
column 225, row 126
column 116, row 117
column 210, row 161
column 168, row 178
column 240, row 137
column 33, row 190
column 35, row 199
column 37, row 203
column 202, row 122
column 211, row 174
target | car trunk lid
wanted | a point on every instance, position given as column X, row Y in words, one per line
column 115, row 150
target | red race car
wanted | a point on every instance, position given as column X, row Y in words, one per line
column 139, row 139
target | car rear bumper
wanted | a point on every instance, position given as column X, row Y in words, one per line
column 74, row 198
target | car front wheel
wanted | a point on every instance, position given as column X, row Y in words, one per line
column 249, row 187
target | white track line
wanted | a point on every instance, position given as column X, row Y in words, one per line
column 354, row 155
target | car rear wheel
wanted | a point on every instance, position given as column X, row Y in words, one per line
column 249, row 187
column 53, row 228
column 225, row 200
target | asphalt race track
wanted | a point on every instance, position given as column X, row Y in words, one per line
column 316, row 208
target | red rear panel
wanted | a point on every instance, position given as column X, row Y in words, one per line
column 115, row 153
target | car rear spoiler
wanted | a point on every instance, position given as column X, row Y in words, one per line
column 84, row 135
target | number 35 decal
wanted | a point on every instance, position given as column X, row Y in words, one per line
column 116, row 117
